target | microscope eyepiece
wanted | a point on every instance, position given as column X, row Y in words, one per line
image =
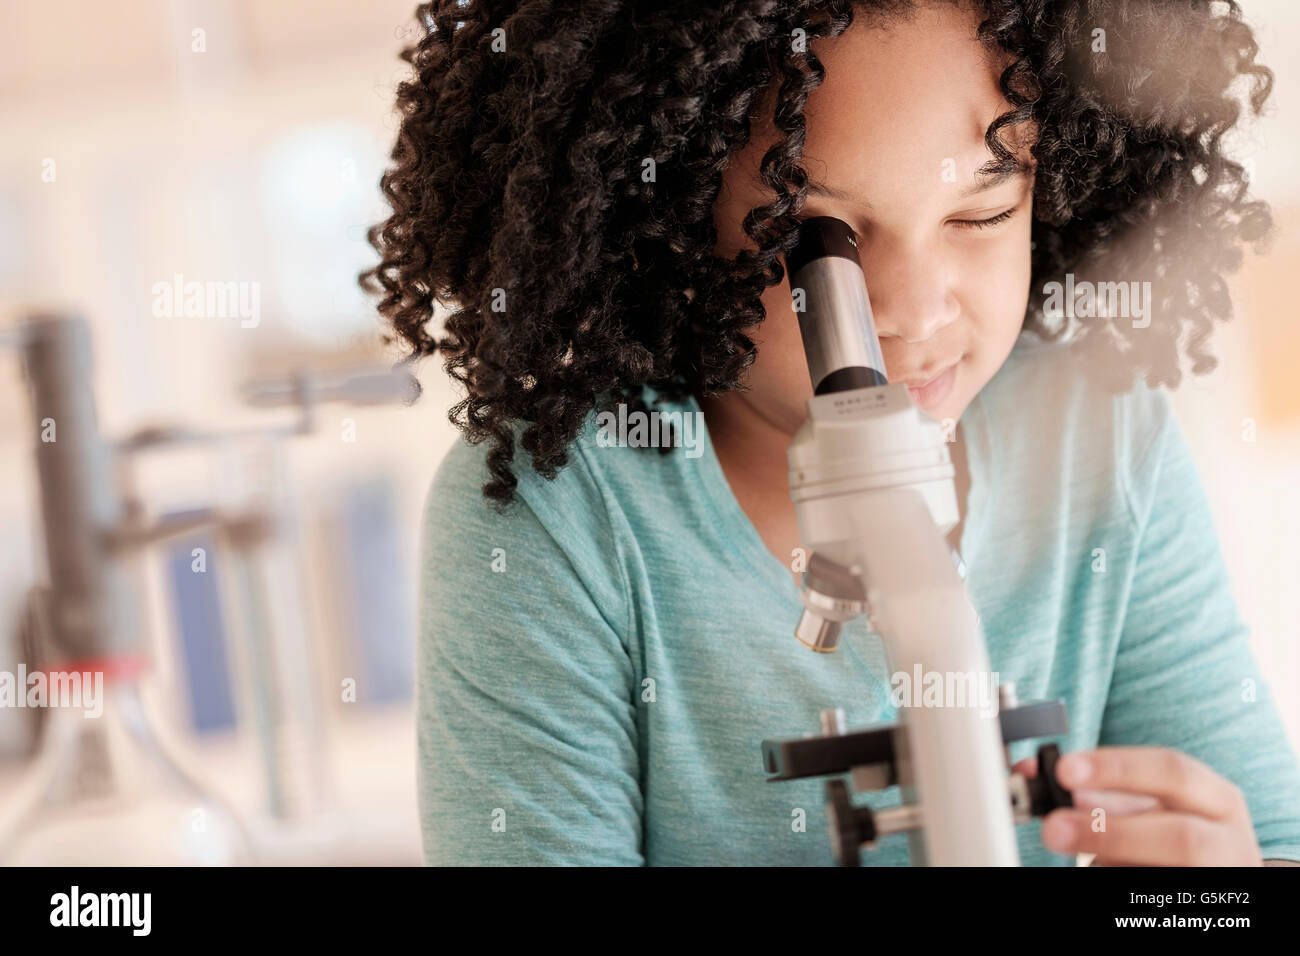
column 830, row 297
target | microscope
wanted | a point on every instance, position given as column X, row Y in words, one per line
column 872, row 482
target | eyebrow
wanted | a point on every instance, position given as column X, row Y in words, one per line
column 994, row 180
column 1020, row 171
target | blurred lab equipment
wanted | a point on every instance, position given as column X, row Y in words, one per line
column 109, row 787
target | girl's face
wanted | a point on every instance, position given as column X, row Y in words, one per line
column 895, row 135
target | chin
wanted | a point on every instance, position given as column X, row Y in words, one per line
column 945, row 412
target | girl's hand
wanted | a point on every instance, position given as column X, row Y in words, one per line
column 1170, row 810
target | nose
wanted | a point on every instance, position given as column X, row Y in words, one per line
column 911, row 292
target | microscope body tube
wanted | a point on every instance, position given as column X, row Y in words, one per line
column 92, row 610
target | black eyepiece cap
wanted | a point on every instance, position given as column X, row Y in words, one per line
column 823, row 236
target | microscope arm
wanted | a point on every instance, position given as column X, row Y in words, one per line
column 955, row 763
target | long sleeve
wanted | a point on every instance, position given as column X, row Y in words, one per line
column 1184, row 674
column 527, row 730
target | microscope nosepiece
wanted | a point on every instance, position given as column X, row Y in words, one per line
column 832, row 594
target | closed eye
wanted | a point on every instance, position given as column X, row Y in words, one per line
column 984, row 223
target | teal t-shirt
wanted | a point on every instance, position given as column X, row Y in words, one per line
column 598, row 666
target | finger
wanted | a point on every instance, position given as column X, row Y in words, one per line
column 1026, row 768
column 1158, row 838
column 1114, row 801
column 1180, row 782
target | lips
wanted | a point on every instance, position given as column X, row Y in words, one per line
column 929, row 394
column 916, row 381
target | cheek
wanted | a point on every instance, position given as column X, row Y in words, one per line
column 780, row 370
column 996, row 291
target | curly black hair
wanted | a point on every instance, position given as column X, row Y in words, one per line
column 571, row 282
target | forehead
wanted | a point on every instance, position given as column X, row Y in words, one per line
column 902, row 99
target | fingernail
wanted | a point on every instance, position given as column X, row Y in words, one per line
column 1060, row 832
column 1072, row 770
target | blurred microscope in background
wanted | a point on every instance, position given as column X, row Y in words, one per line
column 112, row 782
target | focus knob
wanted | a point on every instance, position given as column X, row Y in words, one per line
column 1045, row 794
column 849, row 826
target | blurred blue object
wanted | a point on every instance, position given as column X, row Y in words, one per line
column 380, row 596
column 204, row 646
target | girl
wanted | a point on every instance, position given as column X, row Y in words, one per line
column 603, row 198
